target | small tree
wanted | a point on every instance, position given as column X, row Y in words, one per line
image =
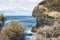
column 2, row 20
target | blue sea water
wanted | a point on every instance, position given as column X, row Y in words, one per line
column 27, row 21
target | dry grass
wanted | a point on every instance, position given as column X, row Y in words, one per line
column 49, row 32
column 55, row 3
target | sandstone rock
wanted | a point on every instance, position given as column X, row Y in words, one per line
column 58, row 38
column 46, row 15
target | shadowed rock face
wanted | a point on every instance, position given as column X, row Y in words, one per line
column 46, row 13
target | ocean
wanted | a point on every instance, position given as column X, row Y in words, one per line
column 27, row 21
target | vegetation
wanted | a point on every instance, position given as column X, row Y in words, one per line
column 4, row 37
column 48, row 31
column 47, row 14
column 14, row 31
column 54, row 3
column 2, row 20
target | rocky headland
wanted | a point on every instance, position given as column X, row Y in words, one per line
column 47, row 14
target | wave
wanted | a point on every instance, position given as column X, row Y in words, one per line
column 10, row 21
column 23, row 19
column 29, row 19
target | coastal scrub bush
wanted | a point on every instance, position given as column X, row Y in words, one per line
column 2, row 18
column 2, row 21
column 55, row 3
column 14, row 31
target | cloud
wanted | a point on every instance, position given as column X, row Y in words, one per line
column 18, row 6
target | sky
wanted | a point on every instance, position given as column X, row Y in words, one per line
column 18, row 7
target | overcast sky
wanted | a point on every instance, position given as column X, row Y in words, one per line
column 18, row 7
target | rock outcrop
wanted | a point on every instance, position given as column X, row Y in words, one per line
column 47, row 14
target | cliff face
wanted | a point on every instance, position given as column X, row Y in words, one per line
column 46, row 13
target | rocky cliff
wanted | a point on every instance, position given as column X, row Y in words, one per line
column 47, row 14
